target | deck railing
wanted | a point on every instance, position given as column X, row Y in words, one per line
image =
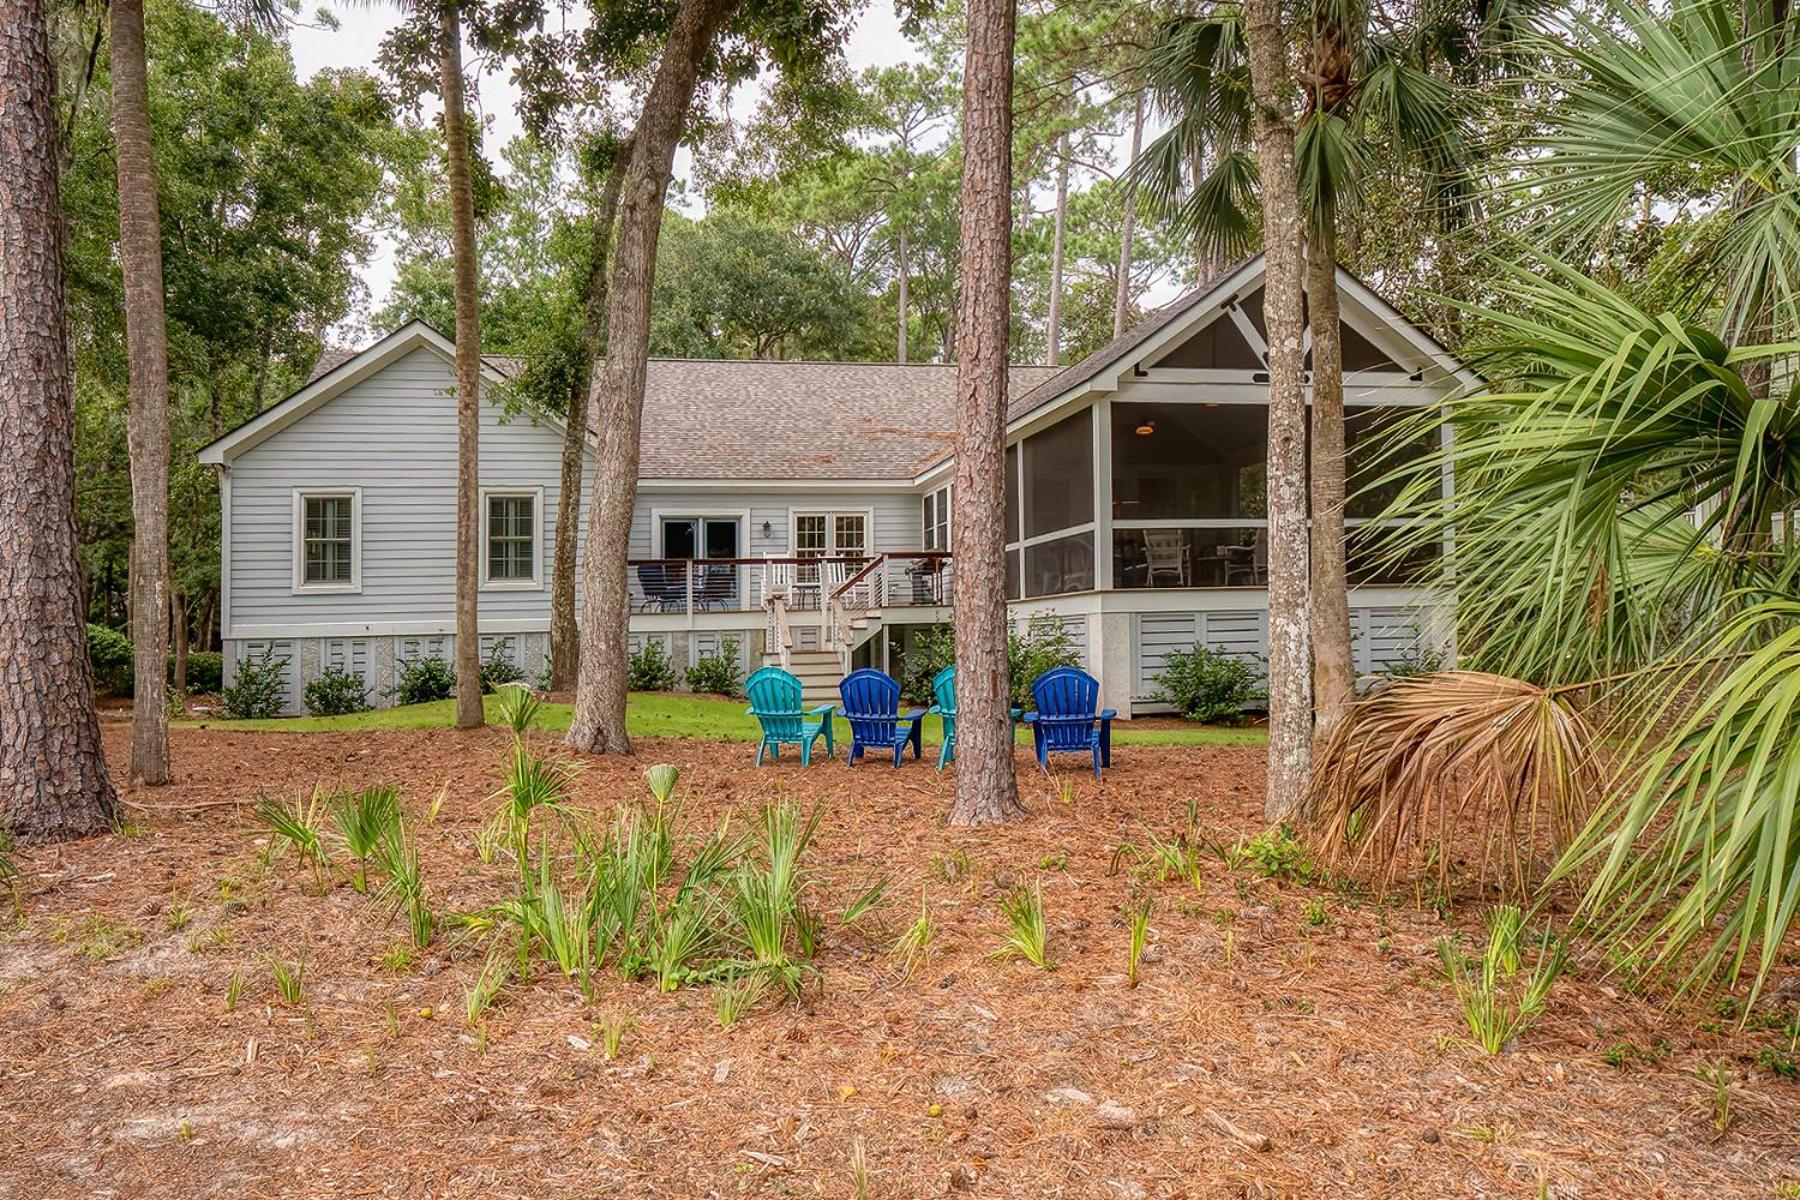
column 691, row 586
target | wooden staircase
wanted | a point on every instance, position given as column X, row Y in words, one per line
column 818, row 672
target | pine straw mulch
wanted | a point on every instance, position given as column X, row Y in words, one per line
column 121, row 1073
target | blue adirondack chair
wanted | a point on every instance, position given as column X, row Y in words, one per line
column 786, row 721
column 872, row 706
column 943, row 689
column 1066, row 720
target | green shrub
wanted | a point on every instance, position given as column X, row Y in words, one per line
column 110, row 653
column 718, row 673
column 651, row 670
column 259, row 690
column 1274, row 853
column 206, row 670
column 499, row 668
column 1044, row 643
column 335, row 692
column 419, row 680
column 930, row 649
column 1206, row 685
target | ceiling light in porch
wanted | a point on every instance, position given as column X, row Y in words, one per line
column 1145, row 428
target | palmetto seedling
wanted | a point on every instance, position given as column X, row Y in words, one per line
column 734, row 996
column 298, row 823
column 533, row 785
column 865, row 902
column 234, row 990
column 519, row 707
column 290, row 980
column 1025, row 935
column 1138, row 917
column 1499, row 1003
column 613, row 1028
column 363, row 819
column 778, row 932
column 487, row 988
column 397, row 858
column 913, row 947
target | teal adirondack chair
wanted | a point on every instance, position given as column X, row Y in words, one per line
column 786, row 721
column 943, row 690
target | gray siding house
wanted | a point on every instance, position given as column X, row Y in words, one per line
column 798, row 512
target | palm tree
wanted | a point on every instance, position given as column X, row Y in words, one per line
column 1612, row 487
column 53, row 779
column 147, row 422
column 1290, row 688
column 1699, row 106
column 987, row 789
column 1619, row 491
column 1371, row 94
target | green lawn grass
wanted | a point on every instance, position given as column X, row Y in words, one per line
column 677, row 715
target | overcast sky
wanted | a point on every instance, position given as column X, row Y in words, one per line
column 875, row 41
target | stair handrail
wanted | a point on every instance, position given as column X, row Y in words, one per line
column 842, row 623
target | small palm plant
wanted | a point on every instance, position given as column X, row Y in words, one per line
column 1138, row 918
column 363, row 820
column 533, row 785
column 397, row 858
column 913, row 947
column 1025, row 935
column 299, row 823
column 519, row 707
column 1499, row 1004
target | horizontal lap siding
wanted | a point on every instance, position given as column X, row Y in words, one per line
column 393, row 436
column 1239, row 633
column 897, row 523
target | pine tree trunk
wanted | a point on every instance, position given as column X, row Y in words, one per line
column 598, row 724
column 1053, row 348
column 53, row 779
column 1334, row 674
column 147, row 424
column 905, row 269
column 468, row 374
column 565, row 632
column 1128, row 230
column 987, row 790
column 1290, row 655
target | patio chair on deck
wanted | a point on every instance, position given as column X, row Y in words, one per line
column 1066, row 720
column 776, row 703
column 872, row 706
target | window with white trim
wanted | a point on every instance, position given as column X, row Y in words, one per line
column 937, row 519
column 510, row 519
column 327, row 526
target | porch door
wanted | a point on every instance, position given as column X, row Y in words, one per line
column 704, row 537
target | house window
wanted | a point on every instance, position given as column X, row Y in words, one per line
column 327, row 541
column 850, row 535
column 510, row 534
column 937, row 519
column 810, row 537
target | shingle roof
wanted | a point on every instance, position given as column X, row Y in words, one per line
column 755, row 419
column 330, row 359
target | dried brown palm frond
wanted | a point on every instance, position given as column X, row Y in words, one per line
column 1434, row 757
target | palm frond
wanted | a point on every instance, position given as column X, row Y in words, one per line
column 1428, row 757
column 1703, row 839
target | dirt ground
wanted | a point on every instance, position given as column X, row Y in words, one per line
column 1336, row 1039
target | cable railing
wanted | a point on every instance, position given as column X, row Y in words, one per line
column 804, row 584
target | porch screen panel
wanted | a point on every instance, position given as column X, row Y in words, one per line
column 1059, row 476
column 1060, row 565
column 1183, row 462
